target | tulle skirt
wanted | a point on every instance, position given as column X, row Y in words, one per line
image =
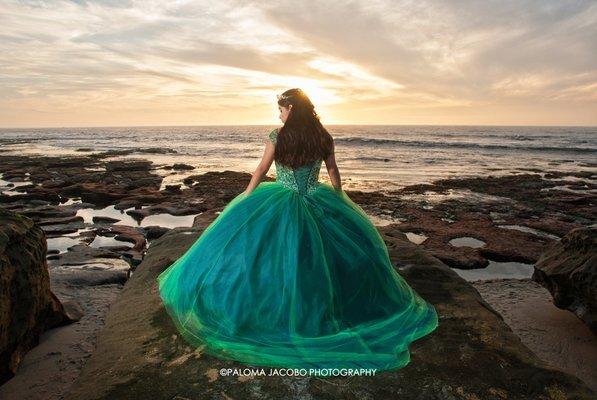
column 286, row 280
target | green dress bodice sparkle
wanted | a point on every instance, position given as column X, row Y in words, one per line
column 295, row 275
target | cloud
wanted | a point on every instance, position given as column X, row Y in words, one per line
column 389, row 56
column 452, row 49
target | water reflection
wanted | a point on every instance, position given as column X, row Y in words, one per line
column 168, row 220
column 527, row 229
column 108, row 241
column 467, row 241
column 61, row 243
column 416, row 238
column 124, row 219
column 497, row 270
column 165, row 220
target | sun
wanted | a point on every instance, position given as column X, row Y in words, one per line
column 317, row 93
column 314, row 89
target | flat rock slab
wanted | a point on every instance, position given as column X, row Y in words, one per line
column 472, row 354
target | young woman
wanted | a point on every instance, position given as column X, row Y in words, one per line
column 292, row 273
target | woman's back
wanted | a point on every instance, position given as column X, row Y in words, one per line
column 304, row 179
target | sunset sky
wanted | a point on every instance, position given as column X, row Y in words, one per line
column 120, row 63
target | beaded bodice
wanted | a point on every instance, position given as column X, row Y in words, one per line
column 303, row 180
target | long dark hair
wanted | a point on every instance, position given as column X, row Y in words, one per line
column 302, row 139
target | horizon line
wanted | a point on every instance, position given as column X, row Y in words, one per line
column 235, row 125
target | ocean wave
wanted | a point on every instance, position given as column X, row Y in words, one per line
column 464, row 145
column 368, row 158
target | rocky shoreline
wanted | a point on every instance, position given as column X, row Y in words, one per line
column 513, row 218
column 94, row 211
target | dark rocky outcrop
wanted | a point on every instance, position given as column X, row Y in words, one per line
column 500, row 244
column 473, row 354
column 27, row 305
column 484, row 207
column 122, row 183
column 568, row 270
column 180, row 167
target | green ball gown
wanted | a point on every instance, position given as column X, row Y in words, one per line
column 295, row 275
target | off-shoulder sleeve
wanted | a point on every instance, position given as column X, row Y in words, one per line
column 273, row 135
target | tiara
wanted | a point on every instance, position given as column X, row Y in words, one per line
column 284, row 96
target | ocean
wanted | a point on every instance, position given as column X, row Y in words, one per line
column 370, row 157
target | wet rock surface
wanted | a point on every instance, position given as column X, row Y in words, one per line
column 27, row 305
column 568, row 269
column 472, row 354
column 517, row 216
column 498, row 210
